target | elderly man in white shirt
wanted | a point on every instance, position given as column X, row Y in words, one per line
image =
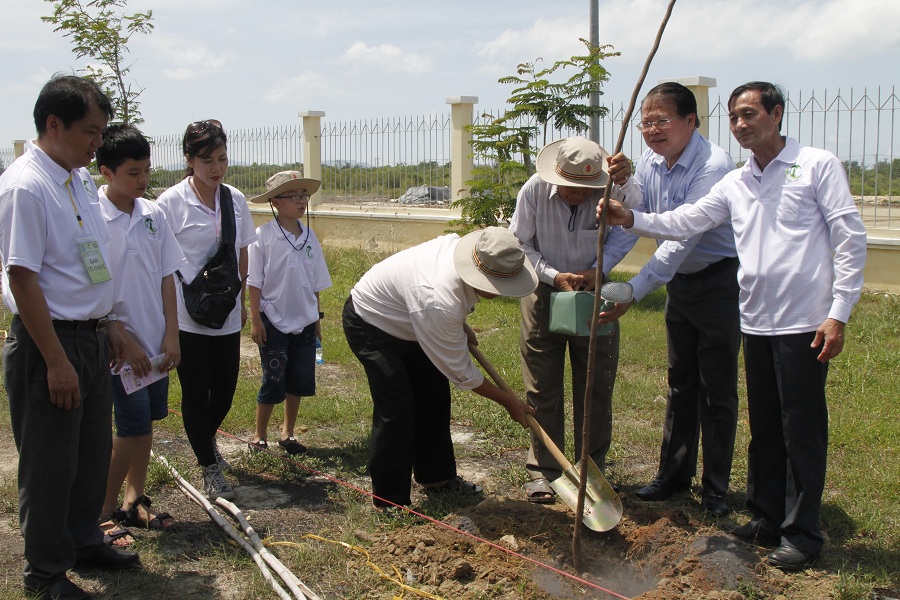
column 405, row 322
column 802, row 248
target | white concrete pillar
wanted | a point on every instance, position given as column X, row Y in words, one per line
column 461, row 160
column 700, row 86
column 18, row 148
column 312, row 150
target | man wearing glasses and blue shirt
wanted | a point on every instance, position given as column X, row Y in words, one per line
column 702, row 318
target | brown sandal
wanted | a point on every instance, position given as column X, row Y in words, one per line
column 539, row 491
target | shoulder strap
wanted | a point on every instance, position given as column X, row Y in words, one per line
column 226, row 205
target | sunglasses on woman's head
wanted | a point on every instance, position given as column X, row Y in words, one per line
column 201, row 126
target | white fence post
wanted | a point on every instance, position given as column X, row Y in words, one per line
column 18, row 148
column 700, row 87
column 312, row 150
column 461, row 160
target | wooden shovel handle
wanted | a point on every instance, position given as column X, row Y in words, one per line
column 532, row 423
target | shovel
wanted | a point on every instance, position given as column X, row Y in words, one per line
column 602, row 505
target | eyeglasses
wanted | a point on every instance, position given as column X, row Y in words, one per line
column 201, row 126
column 660, row 124
column 298, row 198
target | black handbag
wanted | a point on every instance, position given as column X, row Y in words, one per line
column 212, row 295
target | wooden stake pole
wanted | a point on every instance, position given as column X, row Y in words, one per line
column 592, row 350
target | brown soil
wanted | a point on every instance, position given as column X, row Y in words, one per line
column 501, row 547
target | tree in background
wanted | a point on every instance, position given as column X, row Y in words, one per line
column 101, row 30
column 503, row 147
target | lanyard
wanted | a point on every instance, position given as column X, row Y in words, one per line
column 72, row 200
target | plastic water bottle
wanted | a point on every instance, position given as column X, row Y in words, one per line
column 319, row 359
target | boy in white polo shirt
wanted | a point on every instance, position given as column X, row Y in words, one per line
column 144, row 255
column 286, row 273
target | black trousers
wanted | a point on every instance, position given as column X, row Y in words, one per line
column 703, row 336
column 63, row 454
column 410, row 411
column 789, row 435
column 208, row 374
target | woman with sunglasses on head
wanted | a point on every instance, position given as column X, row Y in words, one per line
column 210, row 357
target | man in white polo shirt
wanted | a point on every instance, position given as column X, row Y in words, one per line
column 802, row 248
column 56, row 282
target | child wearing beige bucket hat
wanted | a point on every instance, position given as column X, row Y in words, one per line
column 405, row 321
column 286, row 272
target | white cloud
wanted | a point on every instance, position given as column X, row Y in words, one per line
column 298, row 89
column 387, row 57
column 180, row 74
column 549, row 39
column 714, row 30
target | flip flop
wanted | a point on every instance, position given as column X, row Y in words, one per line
column 457, row 484
column 133, row 518
column 292, row 446
column 539, row 491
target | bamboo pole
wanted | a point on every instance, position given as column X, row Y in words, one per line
column 592, row 350
column 294, row 584
column 192, row 493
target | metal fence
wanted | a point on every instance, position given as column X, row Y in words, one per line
column 373, row 162
column 7, row 155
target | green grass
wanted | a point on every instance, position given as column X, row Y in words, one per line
column 861, row 512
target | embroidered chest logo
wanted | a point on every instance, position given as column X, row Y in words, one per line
column 87, row 188
column 149, row 225
column 793, row 173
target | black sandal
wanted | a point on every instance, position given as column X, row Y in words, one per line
column 292, row 446
column 133, row 519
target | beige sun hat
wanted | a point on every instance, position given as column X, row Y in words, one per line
column 573, row 162
column 492, row 260
column 286, row 181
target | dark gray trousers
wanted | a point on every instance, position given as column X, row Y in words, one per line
column 63, row 454
column 704, row 338
column 543, row 358
column 789, row 435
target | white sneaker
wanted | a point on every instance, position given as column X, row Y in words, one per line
column 215, row 484
column 220, row 460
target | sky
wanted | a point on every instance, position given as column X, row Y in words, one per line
column 252, row 63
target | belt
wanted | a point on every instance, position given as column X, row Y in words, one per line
column 710, row 269
column 90, row 324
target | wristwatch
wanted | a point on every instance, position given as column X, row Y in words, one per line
column 112, row 317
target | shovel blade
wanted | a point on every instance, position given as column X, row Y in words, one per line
column 602, row 505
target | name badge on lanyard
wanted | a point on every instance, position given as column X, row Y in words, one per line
column 88, row 246
column 92, row 257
